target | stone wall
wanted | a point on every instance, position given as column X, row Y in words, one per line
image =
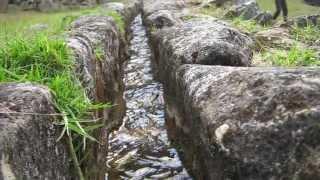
column 231, row 122
column 102, row 79
column 247, row 123
column 101, row 76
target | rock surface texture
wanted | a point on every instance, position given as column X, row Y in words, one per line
column 199, row 41
column 159, row 14
column 49, row 5
column 28, row 147
column 232, row 123
column 249, row 9
column 96, row 42
column 247, row 123
column 304, row 21
column 129, row 11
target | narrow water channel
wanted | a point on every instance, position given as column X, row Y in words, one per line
column 140, row 148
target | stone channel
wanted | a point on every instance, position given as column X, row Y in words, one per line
column 140, row 149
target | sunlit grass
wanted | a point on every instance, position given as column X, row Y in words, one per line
column 250, row 26
column 211, row 11
column 18, row 23
column 308, row 34
column 292, row 58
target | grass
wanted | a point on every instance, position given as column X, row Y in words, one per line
column 118, row 19
column 211, row 11
column 17, row 23
column 250, row 26
column 47, row 61
column 309, row 34
column 295, row 7
column 292, row 58
column 42, row 57
column 245, row 25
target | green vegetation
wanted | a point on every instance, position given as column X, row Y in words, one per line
column 295, row 7
column 47, row 61
column 309, row 34
column 118, row 19
column 250, row 26
column 18, row 23
column 211, row 11
column 277, row 56
column 244, row 25
column 293, row 57
column 99, row 52
column 41, row 56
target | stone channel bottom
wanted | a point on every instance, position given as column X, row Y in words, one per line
column 140, row 148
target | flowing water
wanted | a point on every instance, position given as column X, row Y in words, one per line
column 140, row 148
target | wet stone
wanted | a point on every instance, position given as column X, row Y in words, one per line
column 140, row 149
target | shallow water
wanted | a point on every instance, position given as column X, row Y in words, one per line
column 140, row 148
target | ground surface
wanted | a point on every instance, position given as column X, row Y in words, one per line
column 296, row 7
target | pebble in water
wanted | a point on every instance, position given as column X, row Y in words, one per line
column 140, row 148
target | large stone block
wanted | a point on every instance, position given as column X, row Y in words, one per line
column 28, row 137
column 97, row 45
column 247, row 123
column 198, row 41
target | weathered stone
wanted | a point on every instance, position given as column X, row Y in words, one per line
column 28, row 137
column 159, row 14
column 102, row 77
column 128, row 11
column 115, row 6
column 131, row 10
column 226, row 119
column 161, row 19
column 152, row 6
column 263, row 18
column 199, row 41
column 247, row 10
column 247, row 123
column 208, row 3
column 304, row 21
column 275, row 37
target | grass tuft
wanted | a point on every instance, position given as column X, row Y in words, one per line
column 309, row 34
column 292, row 58
column 118, row 20
column 250, row 26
